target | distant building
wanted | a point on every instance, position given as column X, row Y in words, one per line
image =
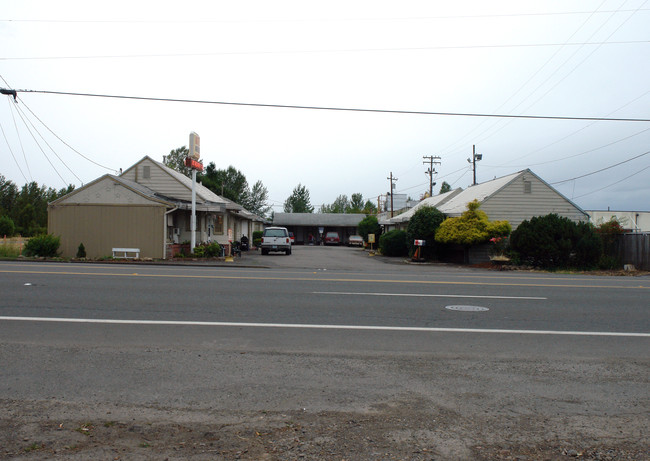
column 632, row 221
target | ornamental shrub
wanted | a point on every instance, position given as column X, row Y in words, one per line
column 422, row 226
column 45, row 245
column 81, row 251
column 553, row 242
column 393, row 243
column 471, row 228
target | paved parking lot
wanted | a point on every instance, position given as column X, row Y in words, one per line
column 316, row 258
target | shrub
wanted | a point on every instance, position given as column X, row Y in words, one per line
column 552, row 241
column 45, row 245
column 422, row 226
column 207, row 250
column 9, row 251
column 7, row 226
column 393, row 243
column 471, row 228
column 369, row 225
column 81, row 251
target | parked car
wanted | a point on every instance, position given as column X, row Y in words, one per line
column 293, row 239
column 276, row 239
column 355, row 240
column 332, row 238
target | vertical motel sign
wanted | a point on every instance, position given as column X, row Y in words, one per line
column 192, row 161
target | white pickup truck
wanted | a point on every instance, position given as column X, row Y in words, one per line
column 276, row 239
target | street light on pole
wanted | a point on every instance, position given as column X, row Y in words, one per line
column 475, row 158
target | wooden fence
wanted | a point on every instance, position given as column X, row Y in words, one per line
column 634, row 249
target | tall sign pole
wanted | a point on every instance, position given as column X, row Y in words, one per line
column 192, row 161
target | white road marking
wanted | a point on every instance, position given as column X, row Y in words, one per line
column 426, row 295
column 323, row 327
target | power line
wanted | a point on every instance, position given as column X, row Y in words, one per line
column 333, row 50
column 602, row 169
column 613, row 184
column 342, row 109
column 12, row 154
column 227, row 21
column 65, row 143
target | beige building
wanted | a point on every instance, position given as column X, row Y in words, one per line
column 513, row 198
column 147, row 207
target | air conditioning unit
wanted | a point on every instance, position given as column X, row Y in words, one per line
column 177, row 231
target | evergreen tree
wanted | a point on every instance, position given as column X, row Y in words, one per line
column 298, row 201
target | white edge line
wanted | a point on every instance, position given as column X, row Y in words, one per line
column 324, row 327
column 426, row 295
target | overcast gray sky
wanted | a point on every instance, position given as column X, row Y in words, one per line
column 553, row 58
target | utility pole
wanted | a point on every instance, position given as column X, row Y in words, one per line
column 392, row 186
column 475, row 158
column 430, row 171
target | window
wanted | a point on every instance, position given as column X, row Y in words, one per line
column 528, row 187
column 146, row 172
column 218, row 225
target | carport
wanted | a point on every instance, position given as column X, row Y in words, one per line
column 317, row 224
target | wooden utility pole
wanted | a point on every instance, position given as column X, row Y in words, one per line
column 430, row 171
column 392, row 186
column 475, row 157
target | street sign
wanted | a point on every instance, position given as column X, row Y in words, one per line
column 371, row 238
column 191, row 163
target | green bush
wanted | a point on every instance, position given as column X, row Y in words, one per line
column 9, row 251
column 257, row 235
column 369, row 225
column 423, row 226
column 207, row 250
column 81, row 251
column 554, row 242
column 471, row 228
column 393, row 243
column 45, row 245
column 7, row 226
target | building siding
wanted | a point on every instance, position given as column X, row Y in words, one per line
column 105, row 192
column 159, row 180
column 102, row 227
column 513, row 205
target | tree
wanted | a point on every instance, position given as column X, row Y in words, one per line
column 8, row 195
column 230, row 183
column 369, row 225
column 445, row 187
column 341, row 204
column 258, row 200
column 176, row 161
column 7, row 227
column 298, row 201
column 356, row 203
column 423, row 226
column 471, row 228
column 393, row 243
column 369, row 208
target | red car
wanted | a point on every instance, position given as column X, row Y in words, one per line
column 332, row 238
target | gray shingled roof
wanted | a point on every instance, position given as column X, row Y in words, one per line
column 318, row 219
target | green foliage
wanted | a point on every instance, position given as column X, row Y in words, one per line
column 393, row 243
column 81, row 251
column 298, row 201
column 422, row 226
column 176, row 161
column 257, row 234
column 369, row 208
column 230, row 183
column 46, row 245
column 207, row 250
column 445, row 187
column 554, row 242
column 7, row 227
column 609, row 234
column 369, row 225
column 354, row 204
column 471, row 228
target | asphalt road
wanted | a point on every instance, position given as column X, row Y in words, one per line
column 333, row 329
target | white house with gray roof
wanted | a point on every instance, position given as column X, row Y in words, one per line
column 514, row 198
